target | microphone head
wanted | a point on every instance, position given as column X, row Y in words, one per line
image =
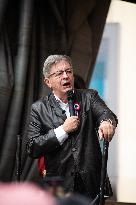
column 70, row 95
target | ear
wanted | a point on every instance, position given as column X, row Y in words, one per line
column 47, row 82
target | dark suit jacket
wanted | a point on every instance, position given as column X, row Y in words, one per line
column 81, row 151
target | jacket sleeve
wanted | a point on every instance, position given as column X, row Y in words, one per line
column 40, row 142
column 100, row 110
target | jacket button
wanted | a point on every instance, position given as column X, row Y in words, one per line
column 74, row 149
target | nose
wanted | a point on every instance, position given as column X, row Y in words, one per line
column 65, row 74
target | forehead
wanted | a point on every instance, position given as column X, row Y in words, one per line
column 60, row 65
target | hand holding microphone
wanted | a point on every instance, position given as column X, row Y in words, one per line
column 71, row 124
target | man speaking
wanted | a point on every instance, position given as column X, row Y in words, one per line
column 66, row 126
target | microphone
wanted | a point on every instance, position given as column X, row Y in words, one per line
column 70, row 96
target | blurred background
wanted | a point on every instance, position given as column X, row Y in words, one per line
column 100, row 38
column 114, row 77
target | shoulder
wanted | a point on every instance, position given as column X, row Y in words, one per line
column 39, row 103
column 87, row 93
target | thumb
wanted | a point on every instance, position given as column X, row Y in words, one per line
column 100, row 132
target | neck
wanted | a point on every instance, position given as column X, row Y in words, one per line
column 63, row 98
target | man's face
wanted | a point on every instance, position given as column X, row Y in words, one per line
column 61, row 78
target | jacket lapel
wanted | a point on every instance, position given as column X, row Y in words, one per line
column 56, row 107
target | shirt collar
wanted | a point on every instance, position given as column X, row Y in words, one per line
column 59, row 101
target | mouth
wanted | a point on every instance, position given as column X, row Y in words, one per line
column 66, row 84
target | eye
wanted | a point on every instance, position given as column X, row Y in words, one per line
column 69, row 71
column 59, row 73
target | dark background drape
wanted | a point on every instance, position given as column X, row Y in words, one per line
column 30, row 30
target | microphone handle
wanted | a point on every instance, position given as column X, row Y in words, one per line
column 71, row 108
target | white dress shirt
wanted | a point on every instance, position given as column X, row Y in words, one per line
column 59, row 131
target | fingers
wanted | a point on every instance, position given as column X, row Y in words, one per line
column 71, row 124
column 106, row 130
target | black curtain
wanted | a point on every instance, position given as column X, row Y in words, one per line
column 30, row 30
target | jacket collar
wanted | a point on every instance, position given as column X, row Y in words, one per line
column 55, row 105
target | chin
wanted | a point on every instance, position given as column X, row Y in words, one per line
column 69, row 88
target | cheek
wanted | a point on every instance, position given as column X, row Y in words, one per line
column 55, row 84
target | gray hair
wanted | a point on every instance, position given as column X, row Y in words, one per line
column 53, row 59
